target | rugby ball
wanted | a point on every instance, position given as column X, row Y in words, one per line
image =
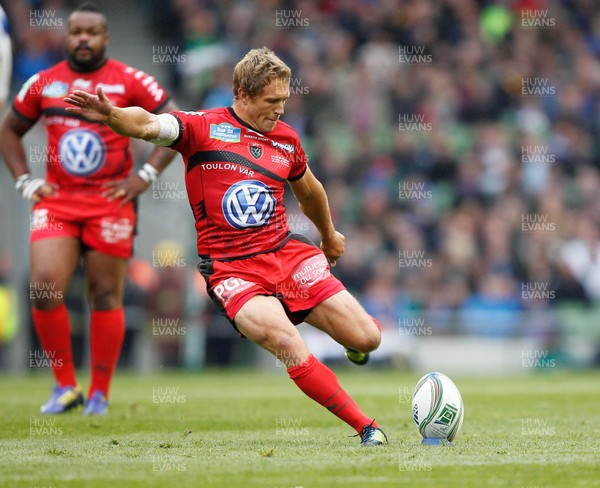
column 437, row 409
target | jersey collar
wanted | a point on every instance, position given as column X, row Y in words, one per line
column 245, row 124
column 73, row 68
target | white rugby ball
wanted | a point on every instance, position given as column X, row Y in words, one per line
column 437, row 409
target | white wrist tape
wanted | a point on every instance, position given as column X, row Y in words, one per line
column 168, row 132
column 28, row 185
column 148, row 173
column 20, row 181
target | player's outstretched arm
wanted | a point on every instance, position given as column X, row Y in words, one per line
column 136, row 183
column 312, row 200
column 129, row 121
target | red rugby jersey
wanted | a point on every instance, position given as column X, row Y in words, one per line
column 235, row 180
column 82, row 155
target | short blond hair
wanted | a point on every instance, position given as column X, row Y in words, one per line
column 257, row 69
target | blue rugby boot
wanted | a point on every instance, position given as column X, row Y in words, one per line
column 97, row 404
column 62, row 399
column 372, row 436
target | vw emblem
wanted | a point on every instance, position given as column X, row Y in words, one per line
column 248, row 204
column 81, row 152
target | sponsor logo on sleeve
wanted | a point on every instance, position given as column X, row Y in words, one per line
column 57, row 89
column 225, row 132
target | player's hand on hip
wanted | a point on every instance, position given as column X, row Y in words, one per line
column 95, row 108
column 333, row 247
column 46, row 190
column 34, row 189
column 126, row 189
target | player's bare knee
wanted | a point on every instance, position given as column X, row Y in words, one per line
column 372, row 341
column 46, row 304
column 279, row 342
column 105, row 299
column 287, row 347
column 45, row 292
column 369, row 339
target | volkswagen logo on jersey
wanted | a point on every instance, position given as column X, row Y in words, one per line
column 248, row 203
column 81, row 152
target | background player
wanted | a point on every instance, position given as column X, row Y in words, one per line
column 84, row 207
column 264, row 278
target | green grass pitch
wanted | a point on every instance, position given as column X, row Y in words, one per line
column 256, row 429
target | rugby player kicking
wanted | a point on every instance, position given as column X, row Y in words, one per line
column 262, row 277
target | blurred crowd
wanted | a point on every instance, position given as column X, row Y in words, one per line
column 458, row 141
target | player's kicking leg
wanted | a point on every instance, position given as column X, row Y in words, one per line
column 345, row 321
column 263, row 320
column 106, row 279
column 53, row 262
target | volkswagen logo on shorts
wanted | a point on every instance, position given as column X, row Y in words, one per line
column 81, row 152
column 248, row 204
